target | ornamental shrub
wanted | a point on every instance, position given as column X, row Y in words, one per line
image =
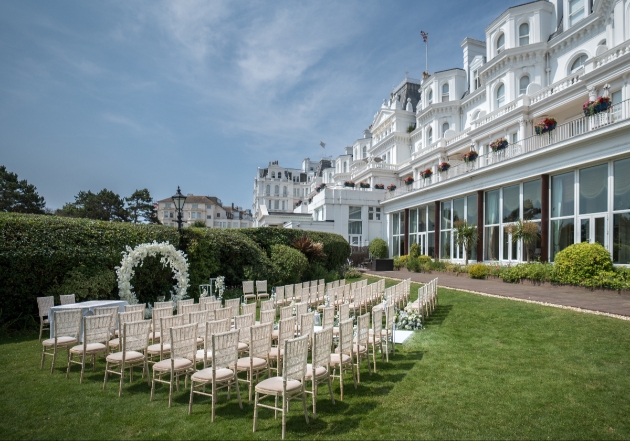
column 400, row 262
column 414, row 250
column 478, row 271
column 581, row 263
column 378, row 248
column 413, row 264
column 424, row 259
column 289, row 264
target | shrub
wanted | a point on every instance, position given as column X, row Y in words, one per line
column 424, row 259
column 478, row 271
column 378, row 248
column 400, row 262
column 86, row 283
column 352, row 273
column 289, row 264
column 413, row 264
column 414, row 250
column 581, row 263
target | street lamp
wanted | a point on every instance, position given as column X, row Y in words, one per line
column 179, row 199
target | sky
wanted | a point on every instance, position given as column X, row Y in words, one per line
column 155, row 94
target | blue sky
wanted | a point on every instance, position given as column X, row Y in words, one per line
column 125, row 95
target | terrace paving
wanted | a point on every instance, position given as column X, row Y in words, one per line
column 606, row 301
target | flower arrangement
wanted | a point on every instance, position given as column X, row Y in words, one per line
column 408, row 180
column 379, row 186
column 601, row 104
column 391, row 187
column 320, row 187
column 310, row 200
column 470, row 156
column 220, row 286
column 364, row 185
column 348, row 184
column 134, row 257
column 444, row 166
column 426, row 174
column 499, row 144
column 408, row 319
column 545, row 125
column 298, row 203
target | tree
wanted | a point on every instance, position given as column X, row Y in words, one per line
column 104, row 205
column 19, row 196
column 526, row 231
column 198, row 224
column 140, row 205
column 465, row 235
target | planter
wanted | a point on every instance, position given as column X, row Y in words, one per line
column 379, row 187
column 408, row 181
column 470, row 157
column 382, row 264
column 443, row 167
column 391, row 187
column 348, row 185
column 541, row 130
column 498, row 146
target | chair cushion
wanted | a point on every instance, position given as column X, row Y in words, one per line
column 180, row 364
column 61, row 341
column 243, row 363
column 334, row 359
column 114, row 342
column 359, row 349
column 249, row 296
column 273, row 353
column 131, row 356
column 155, row 349
column 91, row 348
column 242, row 346
column 155, row 335
column 206, row 375
column 273, row 385
column 383, row 332
column 274, row 334
column 319, row 371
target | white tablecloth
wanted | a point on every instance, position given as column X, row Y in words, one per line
column 87, row 308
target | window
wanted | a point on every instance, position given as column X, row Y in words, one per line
column 235, row 224
column 578, row 63
column 398, row 234
column 522, row 84
column 195, row 206
column 429, row 97
column 621, row 206
column 364, row 151
column 491, row 230
column 500, row 95
column 276, row 190
column 616, row 102
column 562, row 211
column 476, row 80
column 429, row 136
column 284, row 191
column 523, row 34
column 445, row 93
column 500, row 43
column 267, row 190
column 445, row 127
column 345, row 166
column 515, row 138
column 167, row 205
column 218, row 214
column 576, row 11
column 165, row 214
column 374, row 213
column 276, row 204
column 209, row 216
column 170, row 214
column 273, row 175
column 355, row 225
column 594, row 189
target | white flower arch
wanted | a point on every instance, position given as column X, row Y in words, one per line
column 134, row 257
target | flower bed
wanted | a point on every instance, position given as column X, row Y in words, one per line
column 545, row 125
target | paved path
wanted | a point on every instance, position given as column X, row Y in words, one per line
column 598, row 300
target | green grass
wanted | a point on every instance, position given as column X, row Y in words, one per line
column 484, row 368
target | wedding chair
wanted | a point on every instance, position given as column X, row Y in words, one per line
column 376, row 334
column 328, row 317
column 388, row 332
column 124, row 317
column 137, row 307
column 223, row 313
column 249, row 308
column 243, row 323
column 235, row 305
column 248, row 291
column 342, row 357
column 286, row 330
column 95, row 338
column 187, row 309
column 44, row 304
column 181, row 303
column 360, row 347
column 344, row 314
column 164, row 346
column 318, row 371
column 158, row 314
column 67, row 329
column 67, row 299
column 212, row 327
column 261, row 290
column 258, row 359
column 113, row 311
column 160, row 305
column 267, row 316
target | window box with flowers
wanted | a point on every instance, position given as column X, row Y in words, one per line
column 471, row 157
column 601, row 104
column 320, row 187
column 444, row 166
column 499, row 145
column 408, row 180
column 379, row 186
column 348, row 184
column 298, row 203
column 545, row 125
column 364, row 185
column 426, row 174
column 391, row 187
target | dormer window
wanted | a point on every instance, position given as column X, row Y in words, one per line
column 476, row 80
column 576, row 11
column 445, row 94
column 523, row 34
column 429, row 97
column 500, row 95
column 522, row 84
column 501, row 43
column 578, row 63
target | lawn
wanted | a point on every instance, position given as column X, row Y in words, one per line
column 484, row 368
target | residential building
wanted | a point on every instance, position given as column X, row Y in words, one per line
column 208, row 209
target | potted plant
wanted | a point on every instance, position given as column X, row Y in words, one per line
column 348, row 184
column 320, row 187
column 379, row 186
column 411, row 128
column 364, row 185
column 408, row 180
column 601, row 104
column 391, row 187
column 545, row 125
column 499, row 144
column 471, row 157
column 444, row 166
column 426, row 174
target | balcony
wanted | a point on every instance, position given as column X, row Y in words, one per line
column 563, row 132
column 361, row 168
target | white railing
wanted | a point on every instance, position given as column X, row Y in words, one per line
column 459, row 137
column 557, row 86
column 499, row 112
column 571, row 129
column 611, row 55
column 373, row 166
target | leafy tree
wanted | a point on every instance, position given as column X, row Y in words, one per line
column 18, row 196
column 199, row 224
column 140, row 206
column 526, row 231
column 104, row 205
column 466, row 235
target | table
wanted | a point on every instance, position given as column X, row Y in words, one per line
column 87, row 308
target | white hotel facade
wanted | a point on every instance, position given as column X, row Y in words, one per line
column 542, row 59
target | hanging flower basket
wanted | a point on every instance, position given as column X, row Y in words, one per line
column 444, row 166
column 364, row 185
column 499, row 144
column 545, row 125
column 379, row 186
column 601, row 104
column 348, row 184
column 408, row 180
column 426, row 174
column 470, row 157
column 391, row 187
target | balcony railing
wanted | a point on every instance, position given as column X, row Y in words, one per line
column 571, row 129
column 557, row 86
column 373, row 166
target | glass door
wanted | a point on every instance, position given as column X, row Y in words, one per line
column 593, row 229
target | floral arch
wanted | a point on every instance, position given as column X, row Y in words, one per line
column 134, row 257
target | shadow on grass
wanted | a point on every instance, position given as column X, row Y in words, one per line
column 439, row 314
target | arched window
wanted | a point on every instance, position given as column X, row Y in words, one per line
column 429, row 136
column 284, row 190
column 445, row 94
column 267, row 190
column 500, row 95
column 364, row 151
column 579, row 62
column 500, row 43
column 276, row 190
column 429, row 97
column 523, row 34
column 522, row 84
column 445, row 127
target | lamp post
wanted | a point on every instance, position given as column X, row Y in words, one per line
column 179, row 199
